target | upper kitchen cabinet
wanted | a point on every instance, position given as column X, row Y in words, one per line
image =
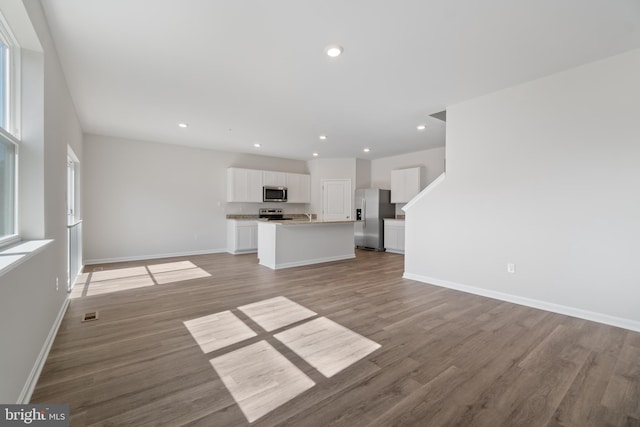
column 244, row 185
column 274, row 179
column 405, row 184
column 299, row 188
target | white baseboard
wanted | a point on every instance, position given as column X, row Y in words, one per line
column 620, row 322
column 32, row 380
column 310, row 261
column 153, row 256
column 395, row 251
column 242, row 252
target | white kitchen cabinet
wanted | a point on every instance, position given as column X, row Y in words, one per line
column 299, row 188
column 242, row 236
column 394, row 235
column 244, row 185
column 274, row 179
column 405, row 184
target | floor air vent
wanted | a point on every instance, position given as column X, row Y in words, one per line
column 88, row 317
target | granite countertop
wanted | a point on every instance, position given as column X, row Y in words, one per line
column 299, row 217
column 307, row 222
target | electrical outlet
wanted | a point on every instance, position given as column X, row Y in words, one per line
column 511, row 268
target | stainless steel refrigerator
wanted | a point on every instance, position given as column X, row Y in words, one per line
column 372, row 204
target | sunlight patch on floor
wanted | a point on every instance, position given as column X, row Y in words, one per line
column 326, row 345
column 257, row 375
column 122, row 279
column 218, row 330
column 260, row 378
column 116, row 285
column 275, row 313
column 121, row 273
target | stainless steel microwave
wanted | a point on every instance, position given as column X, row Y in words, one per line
column 274, row 194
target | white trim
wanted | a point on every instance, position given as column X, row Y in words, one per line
column 241, row 251
column 14, row 121
column 71, row 154
column 32, row 380
column 309, row 261
column 9, row 240
column 155, row 256
column 620, row 322
column 76, row 222
column 10, row 137
column 394, row 251
column 16, row 194
column 13, row 256
column 424, row 192
column 74, row 163
column 13, row 96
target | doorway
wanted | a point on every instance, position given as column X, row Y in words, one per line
column 74, row 222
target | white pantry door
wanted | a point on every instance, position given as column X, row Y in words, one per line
column 336, row 199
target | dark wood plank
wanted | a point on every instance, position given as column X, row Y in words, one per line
column 446, row 357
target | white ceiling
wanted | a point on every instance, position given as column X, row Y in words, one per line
column 243, row 71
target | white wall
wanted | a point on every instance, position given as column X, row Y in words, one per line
column 544, row 175
column 146, row 199
column 430, row 162
column 29, row 302
column 363, row 173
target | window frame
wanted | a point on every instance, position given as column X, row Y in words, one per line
column 10, row 133
column 12, row 72
column 15, row 236
column 72, row 215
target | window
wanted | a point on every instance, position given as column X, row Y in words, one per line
column 7, row 188
column 4, row 107
column 71, row 191
column 9, row 62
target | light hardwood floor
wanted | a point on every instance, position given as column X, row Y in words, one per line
column 445, row 357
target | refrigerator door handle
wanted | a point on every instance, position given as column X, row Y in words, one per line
column 364, row 213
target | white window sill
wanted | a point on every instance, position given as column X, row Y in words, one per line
column 13, row 256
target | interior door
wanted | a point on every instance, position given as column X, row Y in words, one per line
column 336, row 199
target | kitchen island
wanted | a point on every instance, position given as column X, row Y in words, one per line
column 284, row 244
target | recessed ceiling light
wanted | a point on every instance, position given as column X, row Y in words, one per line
column 182, row 125
column 257, row 145
column 366, row 150
column 421, row 127
column 323, row 137
column 315, row 154
column 334, row 50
